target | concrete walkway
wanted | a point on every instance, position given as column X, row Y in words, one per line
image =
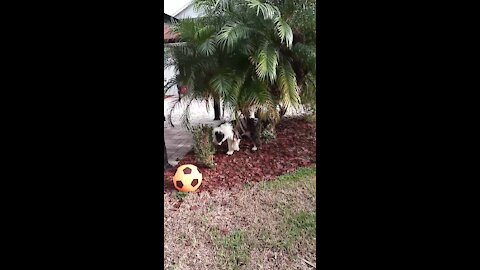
column 178, row 143
column 178, row 139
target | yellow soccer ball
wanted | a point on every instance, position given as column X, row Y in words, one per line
column 187, row 178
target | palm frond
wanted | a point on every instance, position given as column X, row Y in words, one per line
column 186, row 29
column 203, row 4
column 207, row 104
column 284, row 31
column 184, row 104
column 309, row 90
column 222, row 84
column 266, row 61
column 231, row 99
column 307, row 55
column 253, row 93
column 186, row 115
column 204, row 32
column 222, row 4
column 205, row 40
column 287, row 84
column 268, row 11
column 260, row 94
column 170, row 83
column 207, row 47
column 243, row 54
column 231, row 33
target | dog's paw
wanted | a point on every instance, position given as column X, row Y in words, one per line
column 229, row 153
column 254, row 148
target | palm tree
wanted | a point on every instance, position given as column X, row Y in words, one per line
column 216, row 109
column 254, row 55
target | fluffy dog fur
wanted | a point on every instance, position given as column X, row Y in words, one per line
column 232, row 132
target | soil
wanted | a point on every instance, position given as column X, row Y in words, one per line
column 294, row 147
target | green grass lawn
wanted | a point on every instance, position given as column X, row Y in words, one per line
column 268, row 225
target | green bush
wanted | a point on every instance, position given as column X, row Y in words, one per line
column 311, row 118
column 266, row 129
column 203, row 145
column 267, row 135
column 311, row 115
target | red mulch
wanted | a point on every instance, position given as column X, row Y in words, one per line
column 294, row 147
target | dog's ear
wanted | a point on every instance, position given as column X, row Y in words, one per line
column 219, row 136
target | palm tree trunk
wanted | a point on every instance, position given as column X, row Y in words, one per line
column 216, row 108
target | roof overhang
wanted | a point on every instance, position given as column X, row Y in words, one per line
column 182, row 8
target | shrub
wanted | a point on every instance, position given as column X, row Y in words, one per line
column 267, row 132
column 203, row 145
column 311, row 115
column 311, row 118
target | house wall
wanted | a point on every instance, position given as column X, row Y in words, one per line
column 169, row 73
column 189, row 12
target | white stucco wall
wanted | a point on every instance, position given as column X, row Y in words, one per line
column 169, row 73
column 189, row 12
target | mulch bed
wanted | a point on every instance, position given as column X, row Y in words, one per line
column 294, row 147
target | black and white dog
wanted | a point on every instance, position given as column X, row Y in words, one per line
column 233, row 131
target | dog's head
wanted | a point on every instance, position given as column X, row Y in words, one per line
column 222, row 133
column 218, row 137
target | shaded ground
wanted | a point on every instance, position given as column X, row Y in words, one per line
column 294, row 147
column 266, row 225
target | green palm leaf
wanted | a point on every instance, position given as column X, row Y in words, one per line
column 244, row 53
column 266, row 62
column 207, row 47
column 284, row 31
column 268, row 11
column 222, row 84
column 231, row 33
column 287, row 84
column 307, row 55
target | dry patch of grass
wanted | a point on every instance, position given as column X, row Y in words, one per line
column 268, row 225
